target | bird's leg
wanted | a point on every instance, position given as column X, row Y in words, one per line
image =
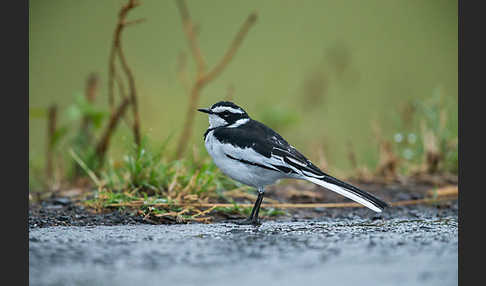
column 259, row 201
column 253, row 219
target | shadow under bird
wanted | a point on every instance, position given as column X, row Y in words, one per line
column 253, row 154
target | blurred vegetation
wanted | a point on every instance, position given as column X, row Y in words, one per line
column 427, row 134
column 144, row 179
column 372, row 84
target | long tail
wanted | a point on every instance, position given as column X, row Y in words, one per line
column 350, row 192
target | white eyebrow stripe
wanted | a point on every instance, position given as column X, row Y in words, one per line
column 226, row 108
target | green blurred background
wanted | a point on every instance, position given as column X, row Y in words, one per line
column 318, row 72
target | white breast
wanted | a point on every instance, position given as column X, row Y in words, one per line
column 247, row 174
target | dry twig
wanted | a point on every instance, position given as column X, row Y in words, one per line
column 51, row 130
column 90, row 94
column 117, row 50
column 279, row 205
column 117, row 113
column 446, row 193
column 204, row 76
column 113, row 122
column 432, row 152
column 389, row 161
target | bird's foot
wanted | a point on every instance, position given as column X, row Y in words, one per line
column 249, row 221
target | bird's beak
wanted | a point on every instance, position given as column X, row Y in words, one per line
column 205, row 110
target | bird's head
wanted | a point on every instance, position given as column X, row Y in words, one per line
column 225, row 113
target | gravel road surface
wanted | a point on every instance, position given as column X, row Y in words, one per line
column 405, row 246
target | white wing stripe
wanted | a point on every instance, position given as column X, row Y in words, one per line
column 281, row 162
column 253, row 157
column 297, row 162
column 309, row 174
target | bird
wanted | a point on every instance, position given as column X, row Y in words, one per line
column 253, row 154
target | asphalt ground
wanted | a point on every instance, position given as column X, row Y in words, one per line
column 409, row 245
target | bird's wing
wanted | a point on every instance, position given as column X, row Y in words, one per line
column 301, row 165
column 256, row 143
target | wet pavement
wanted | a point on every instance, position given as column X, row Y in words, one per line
column 416, row 247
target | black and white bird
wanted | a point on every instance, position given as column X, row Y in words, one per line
column 251, row 153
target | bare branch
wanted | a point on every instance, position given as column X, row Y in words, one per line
column 132, row 95
column 122, row 92
column 114, row 49
column 91, row 92
column 191, row 35
column 112, row 76
column 92, row 87
column 110, row 128
column 51, row 130
column 182, row 71
column 121, row 87
column 203, row 77
column 134, row 22
column 216, row 71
